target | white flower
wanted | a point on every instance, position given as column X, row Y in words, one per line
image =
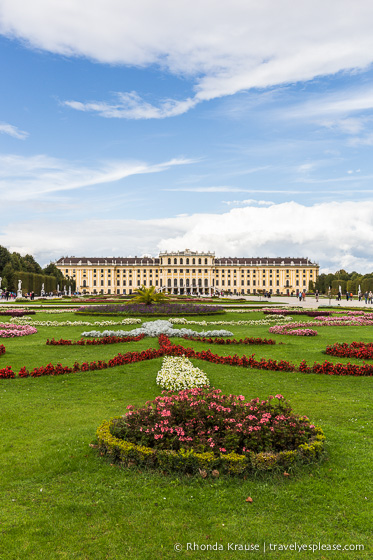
column 156, row 328
column 178, row 373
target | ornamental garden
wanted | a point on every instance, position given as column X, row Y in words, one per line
column 138, row 430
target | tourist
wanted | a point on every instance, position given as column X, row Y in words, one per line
column 317, row 295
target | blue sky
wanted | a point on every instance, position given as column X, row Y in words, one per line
column 246, row 129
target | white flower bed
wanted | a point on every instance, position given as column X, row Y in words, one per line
column 156, row 328
column 178, row 373
column 53, row 311
column 182, row 321
column 77, row 323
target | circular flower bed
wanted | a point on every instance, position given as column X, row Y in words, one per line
column 9, row 330
column 203, row 429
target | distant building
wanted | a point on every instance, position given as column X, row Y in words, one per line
column 190, row 272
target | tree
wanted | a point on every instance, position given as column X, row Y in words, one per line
column 8, row 280
column 148, row 296
column 4, row 257
column 30, row 264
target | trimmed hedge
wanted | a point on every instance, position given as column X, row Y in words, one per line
column 188, row 462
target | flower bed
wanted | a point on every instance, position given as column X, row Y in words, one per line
column 95, row 342
column 328, row 368
column 231, row 340
column 9, row 330
column 259, row 322
column 360, row 350
column 309, row 313
column 203, row 429
column 78, row 323
column 2, row 349
column 289, row 329
column 17, row 312
column 178, row 373
column 154, row 329
column 161, row 309
column 169, row 349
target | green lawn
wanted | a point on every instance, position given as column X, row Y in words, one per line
column 60, row 499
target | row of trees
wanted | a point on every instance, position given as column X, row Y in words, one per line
column 348, row 281
column 14, row 267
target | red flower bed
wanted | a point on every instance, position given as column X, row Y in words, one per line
column 167, row 348
column 2, row 349
column 208, row 356
column 328, row 368
column 231, row 340
column 95, row 341
column 7, row 373
column 360, row 350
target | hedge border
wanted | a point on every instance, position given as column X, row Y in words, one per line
column 189, row 462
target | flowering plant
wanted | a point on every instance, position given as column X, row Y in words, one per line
column 360, row 350
column 179, row 373
column 155, row 309
column 84, row 342
column 246, row 340
column 288, row 329
column 9, row 330
column 17, row 312
column 203, row 430
column 78, row 323
column 157, row 328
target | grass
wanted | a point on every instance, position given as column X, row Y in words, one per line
column 60, row 499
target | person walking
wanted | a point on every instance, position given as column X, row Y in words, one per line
column 317, row 295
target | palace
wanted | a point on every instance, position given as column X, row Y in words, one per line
column 190, row 272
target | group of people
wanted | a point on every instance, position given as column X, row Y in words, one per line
column 367, row 296
column 7, row 295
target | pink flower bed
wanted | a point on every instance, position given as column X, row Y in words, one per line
column 9, row 330
column 286, row 329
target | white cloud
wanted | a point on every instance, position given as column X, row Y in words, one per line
column 30, row 177
column 6, row 128
column 287, row 229
column 224, row 47
column 131, row 106
column 248, row 202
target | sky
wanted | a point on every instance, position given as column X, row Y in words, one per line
column 243, row 128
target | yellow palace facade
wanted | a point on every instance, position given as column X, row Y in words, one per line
column 190, row 272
